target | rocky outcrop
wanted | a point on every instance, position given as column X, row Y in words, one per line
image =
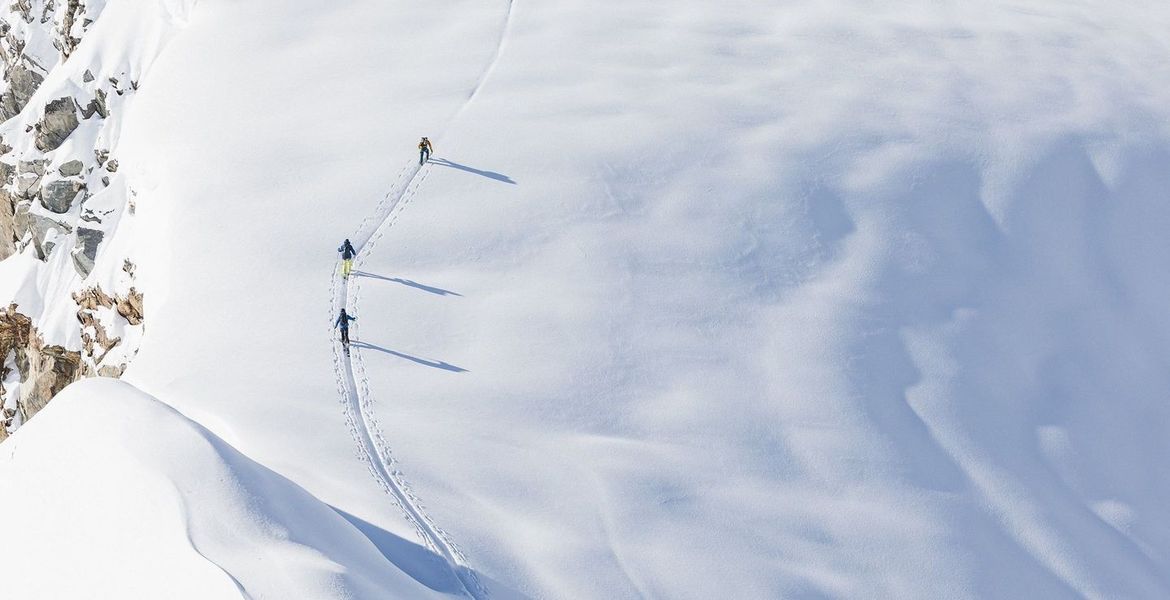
column 85, row 252
column 59, row 121
column 22, row 82
column 96, row 340
column 50, row 201
column 44, row 369
column 58, row 196
column 66, row 43
column 96, row 106
column 71, row 168
column 8, row 237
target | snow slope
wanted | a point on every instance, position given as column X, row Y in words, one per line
column 151, row 503
column 749, row 300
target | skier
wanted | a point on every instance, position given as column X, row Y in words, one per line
column 342, row 322
column 347, row 254
column 424, row 150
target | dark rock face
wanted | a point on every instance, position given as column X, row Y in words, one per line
column 60, row 120
column 96, row 106
column 70, row 168
column 58, row 196
column 85, row 252
column 22, row 82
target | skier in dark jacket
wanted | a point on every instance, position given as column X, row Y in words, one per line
column 347, row 254
column 424, row 150
column 342, row 322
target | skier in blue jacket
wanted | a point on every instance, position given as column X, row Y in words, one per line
column 347, row 254
column 342, row 322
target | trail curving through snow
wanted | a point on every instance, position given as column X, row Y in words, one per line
column 349, row 369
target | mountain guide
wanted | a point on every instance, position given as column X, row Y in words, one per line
column 424, row 150
column 347, row 254
column 342, row 322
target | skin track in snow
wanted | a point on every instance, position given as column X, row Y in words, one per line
column 379, row 457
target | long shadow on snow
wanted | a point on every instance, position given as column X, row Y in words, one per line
column 414, row 284
column 434, row 364
column 442, row 162
column 421, row 564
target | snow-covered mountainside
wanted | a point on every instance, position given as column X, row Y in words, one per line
column 694, row 300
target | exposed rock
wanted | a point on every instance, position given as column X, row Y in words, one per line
column 112, row 166
column 98, row 344
column 36, row 167
column 24, row 7
column 97, row 105
column 130, row 307
column 58, row 196
column 67, row 43
column 27, row 183
column 102, row 155
column 51, row 368
column 22, row 82
column 88, row 76
column 70, row 168
column 8, row 236
column 60, row 120
column 45, row 370
column 85, row 253
column 106, row 181
column 7, row 172
column 92, row 299
column 40, row 228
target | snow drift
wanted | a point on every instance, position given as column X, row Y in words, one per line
column 112, row 494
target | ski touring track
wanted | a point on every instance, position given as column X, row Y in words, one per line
column 352, row 382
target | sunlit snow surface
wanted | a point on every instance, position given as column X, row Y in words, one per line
column 698, row 300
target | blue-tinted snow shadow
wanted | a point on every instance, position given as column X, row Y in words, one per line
column 442, row 162
column 422, row 565
column 414, row 284
column 434, row 364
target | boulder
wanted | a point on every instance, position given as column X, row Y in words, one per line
column 58, row 123
column 36, row 167
column 70, row 168
column 26, row 185
column 85, row 253
column 58, row 196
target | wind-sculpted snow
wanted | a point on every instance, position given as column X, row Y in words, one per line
column 696, row 300
column 150, row 504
